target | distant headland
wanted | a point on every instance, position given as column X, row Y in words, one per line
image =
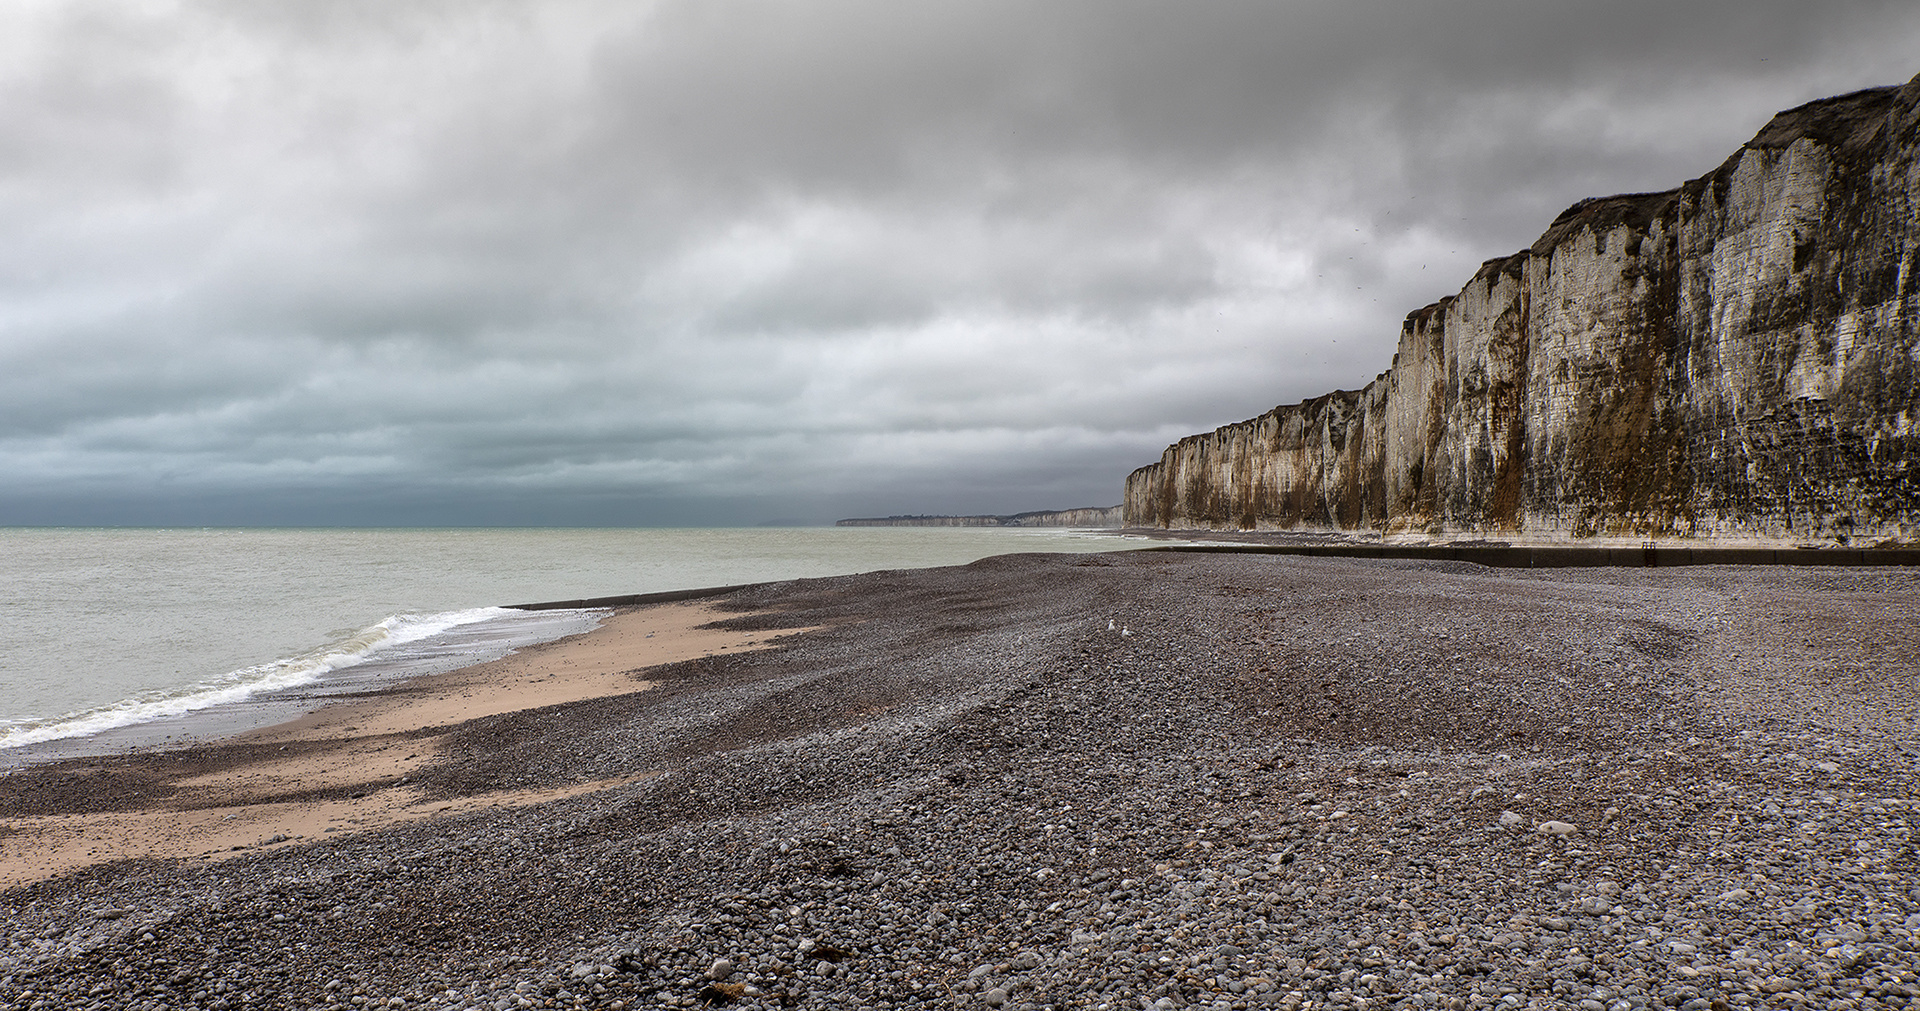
column 1090, row 516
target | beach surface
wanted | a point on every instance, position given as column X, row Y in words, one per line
column 1143, row 779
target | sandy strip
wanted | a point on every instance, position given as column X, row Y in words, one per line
column 367, row 749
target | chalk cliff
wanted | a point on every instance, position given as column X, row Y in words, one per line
column 1733, row 358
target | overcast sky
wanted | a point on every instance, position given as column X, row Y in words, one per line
column 704, row 261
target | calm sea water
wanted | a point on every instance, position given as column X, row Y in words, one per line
column 112, row 628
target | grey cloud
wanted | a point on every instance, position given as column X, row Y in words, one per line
column 610, row 262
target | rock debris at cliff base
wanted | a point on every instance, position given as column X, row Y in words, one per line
column 1737, row 357
column 1296, row 783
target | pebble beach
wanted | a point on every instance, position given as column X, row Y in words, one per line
column 1130, row 780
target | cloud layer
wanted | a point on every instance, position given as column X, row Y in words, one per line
column 710, row 261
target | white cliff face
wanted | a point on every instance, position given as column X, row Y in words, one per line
column 1734, row 358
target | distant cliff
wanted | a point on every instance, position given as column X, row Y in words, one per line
column 1092, row 516
column 1733, row 358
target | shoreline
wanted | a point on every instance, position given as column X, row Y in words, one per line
column 223, row 720
column 346, row 765
column 1117, row 780
column 192, row 616
column 453, row 648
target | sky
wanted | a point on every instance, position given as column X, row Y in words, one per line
column 711, row 262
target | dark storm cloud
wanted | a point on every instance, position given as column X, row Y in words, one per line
column 613, row 262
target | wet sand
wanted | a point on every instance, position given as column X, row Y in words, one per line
column 346, row 767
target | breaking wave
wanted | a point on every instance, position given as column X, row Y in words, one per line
column 235, row 686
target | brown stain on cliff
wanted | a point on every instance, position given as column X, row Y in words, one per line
column 1631, row 474
column 1507, row 412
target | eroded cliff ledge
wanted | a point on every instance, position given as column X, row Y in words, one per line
column 1735, row 358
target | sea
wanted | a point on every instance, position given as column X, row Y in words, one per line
column 118, row 638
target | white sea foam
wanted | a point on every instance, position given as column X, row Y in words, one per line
column 236, row 685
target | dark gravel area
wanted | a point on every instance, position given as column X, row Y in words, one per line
column 1274, row 782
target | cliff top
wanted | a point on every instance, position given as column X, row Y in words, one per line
column 1845, row 121
column 1603, row 213
column 1848, row 123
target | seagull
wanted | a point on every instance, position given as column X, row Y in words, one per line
column 1109, row 624
column 1124, row 630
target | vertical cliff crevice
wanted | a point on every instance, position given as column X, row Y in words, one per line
column 1735, row 357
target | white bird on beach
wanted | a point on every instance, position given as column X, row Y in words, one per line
column 1109, row 624
column 1124, row 630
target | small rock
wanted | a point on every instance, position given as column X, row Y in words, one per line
column 721, row 993
column 995, row 997
column 1849, row 958
column 720, row 969
column 1556, row 828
